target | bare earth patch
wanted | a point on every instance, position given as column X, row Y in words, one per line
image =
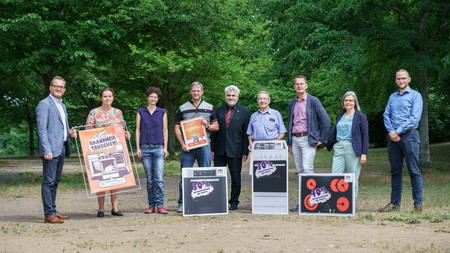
column 23, row 229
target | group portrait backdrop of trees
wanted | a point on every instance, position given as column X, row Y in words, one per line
column 257, row 45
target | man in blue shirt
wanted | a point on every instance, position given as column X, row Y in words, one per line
column 401, row 118
column 266, row 123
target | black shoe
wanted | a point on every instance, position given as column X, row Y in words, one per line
column 234, row 207
column 100, row 214
column 118, row 213
column 295, row 209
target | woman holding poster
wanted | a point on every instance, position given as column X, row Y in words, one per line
column 103, row 116
column 151, row 146
column 349, row 138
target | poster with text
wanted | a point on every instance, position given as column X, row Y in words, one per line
column 106, row 159
column 194, row 133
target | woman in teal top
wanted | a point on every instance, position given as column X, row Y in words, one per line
column 349, row 138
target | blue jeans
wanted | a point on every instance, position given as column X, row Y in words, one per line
column 407, row 148
column 187, row 159
column 153, row 161
column 51, row 175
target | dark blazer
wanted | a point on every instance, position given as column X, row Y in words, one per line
column 234, row 140
column 360, row 133
column 318, row 121
column 50, row 128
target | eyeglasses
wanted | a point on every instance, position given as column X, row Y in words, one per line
column 349, row 100
column 59, row 87
column 263, row 99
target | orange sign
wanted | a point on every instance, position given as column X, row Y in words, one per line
column 194, row 133
column 106, row 159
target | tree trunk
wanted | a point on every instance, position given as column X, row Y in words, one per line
column 30, row 121
column 171, row 108
column 171, row 100
column 46, row 79
column 424, row 153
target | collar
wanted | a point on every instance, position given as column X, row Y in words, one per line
column 268, row 111
column 56, row 100
column 407, row 90
column 192, row 102
column 305, row 97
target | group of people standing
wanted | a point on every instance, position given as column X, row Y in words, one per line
column 232, row 131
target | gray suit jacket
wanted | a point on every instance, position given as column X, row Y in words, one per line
column 50, row 128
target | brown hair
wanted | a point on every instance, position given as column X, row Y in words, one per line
column 57, row 78
column 154, row 90
column 106, row 89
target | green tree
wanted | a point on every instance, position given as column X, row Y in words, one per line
column 361, row 44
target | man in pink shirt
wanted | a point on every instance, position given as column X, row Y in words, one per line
column 309, row 125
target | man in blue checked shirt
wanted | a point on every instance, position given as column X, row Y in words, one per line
column 266, row 123
column 401, row 118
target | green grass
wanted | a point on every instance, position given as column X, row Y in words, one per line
column 374, row 185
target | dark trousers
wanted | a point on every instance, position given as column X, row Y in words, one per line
column 235, row 168
column 406, row 149
column 51, row 175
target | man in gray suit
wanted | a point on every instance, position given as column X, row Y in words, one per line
column 53, row 131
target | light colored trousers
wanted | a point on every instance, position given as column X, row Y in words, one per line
column 303, row 155
column 345, row 158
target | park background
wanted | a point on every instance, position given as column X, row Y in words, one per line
column 256, row 45
column 253, row 44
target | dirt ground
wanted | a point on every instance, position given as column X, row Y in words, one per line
column 23, row 229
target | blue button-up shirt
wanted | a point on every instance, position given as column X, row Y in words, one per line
column 403, row 111
column 266, row 126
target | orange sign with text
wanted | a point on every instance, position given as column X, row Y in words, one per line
column 106, row 159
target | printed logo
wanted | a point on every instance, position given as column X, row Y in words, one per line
column 201, row 189
column 319, row 195
column 265, row 168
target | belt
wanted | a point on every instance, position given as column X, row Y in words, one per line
column 300, row 134
column 410, row 130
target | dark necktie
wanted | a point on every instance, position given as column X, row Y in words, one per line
column 227, row 118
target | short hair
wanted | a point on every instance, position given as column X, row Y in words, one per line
column 152, row 90
column 351, row 93
column 402, row 70
column 264, row 92
column 106, row 89
column 232, row 88
column 300, row 76
column 57, row 78
column 197, row 84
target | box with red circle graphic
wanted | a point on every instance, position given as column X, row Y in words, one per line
column 327, row 194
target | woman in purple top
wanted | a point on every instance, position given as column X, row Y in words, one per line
column 151, row 145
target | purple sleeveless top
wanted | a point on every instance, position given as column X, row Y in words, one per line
column 151, row 126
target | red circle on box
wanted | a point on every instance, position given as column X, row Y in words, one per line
column 308, row 204
column 342, row 185
column 311, row 184
column 342, row 204
column 333, row 185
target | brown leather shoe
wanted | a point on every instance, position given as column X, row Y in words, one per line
column 58, row 215
column 53, row 219
column 389, row 207
column 418, row 209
